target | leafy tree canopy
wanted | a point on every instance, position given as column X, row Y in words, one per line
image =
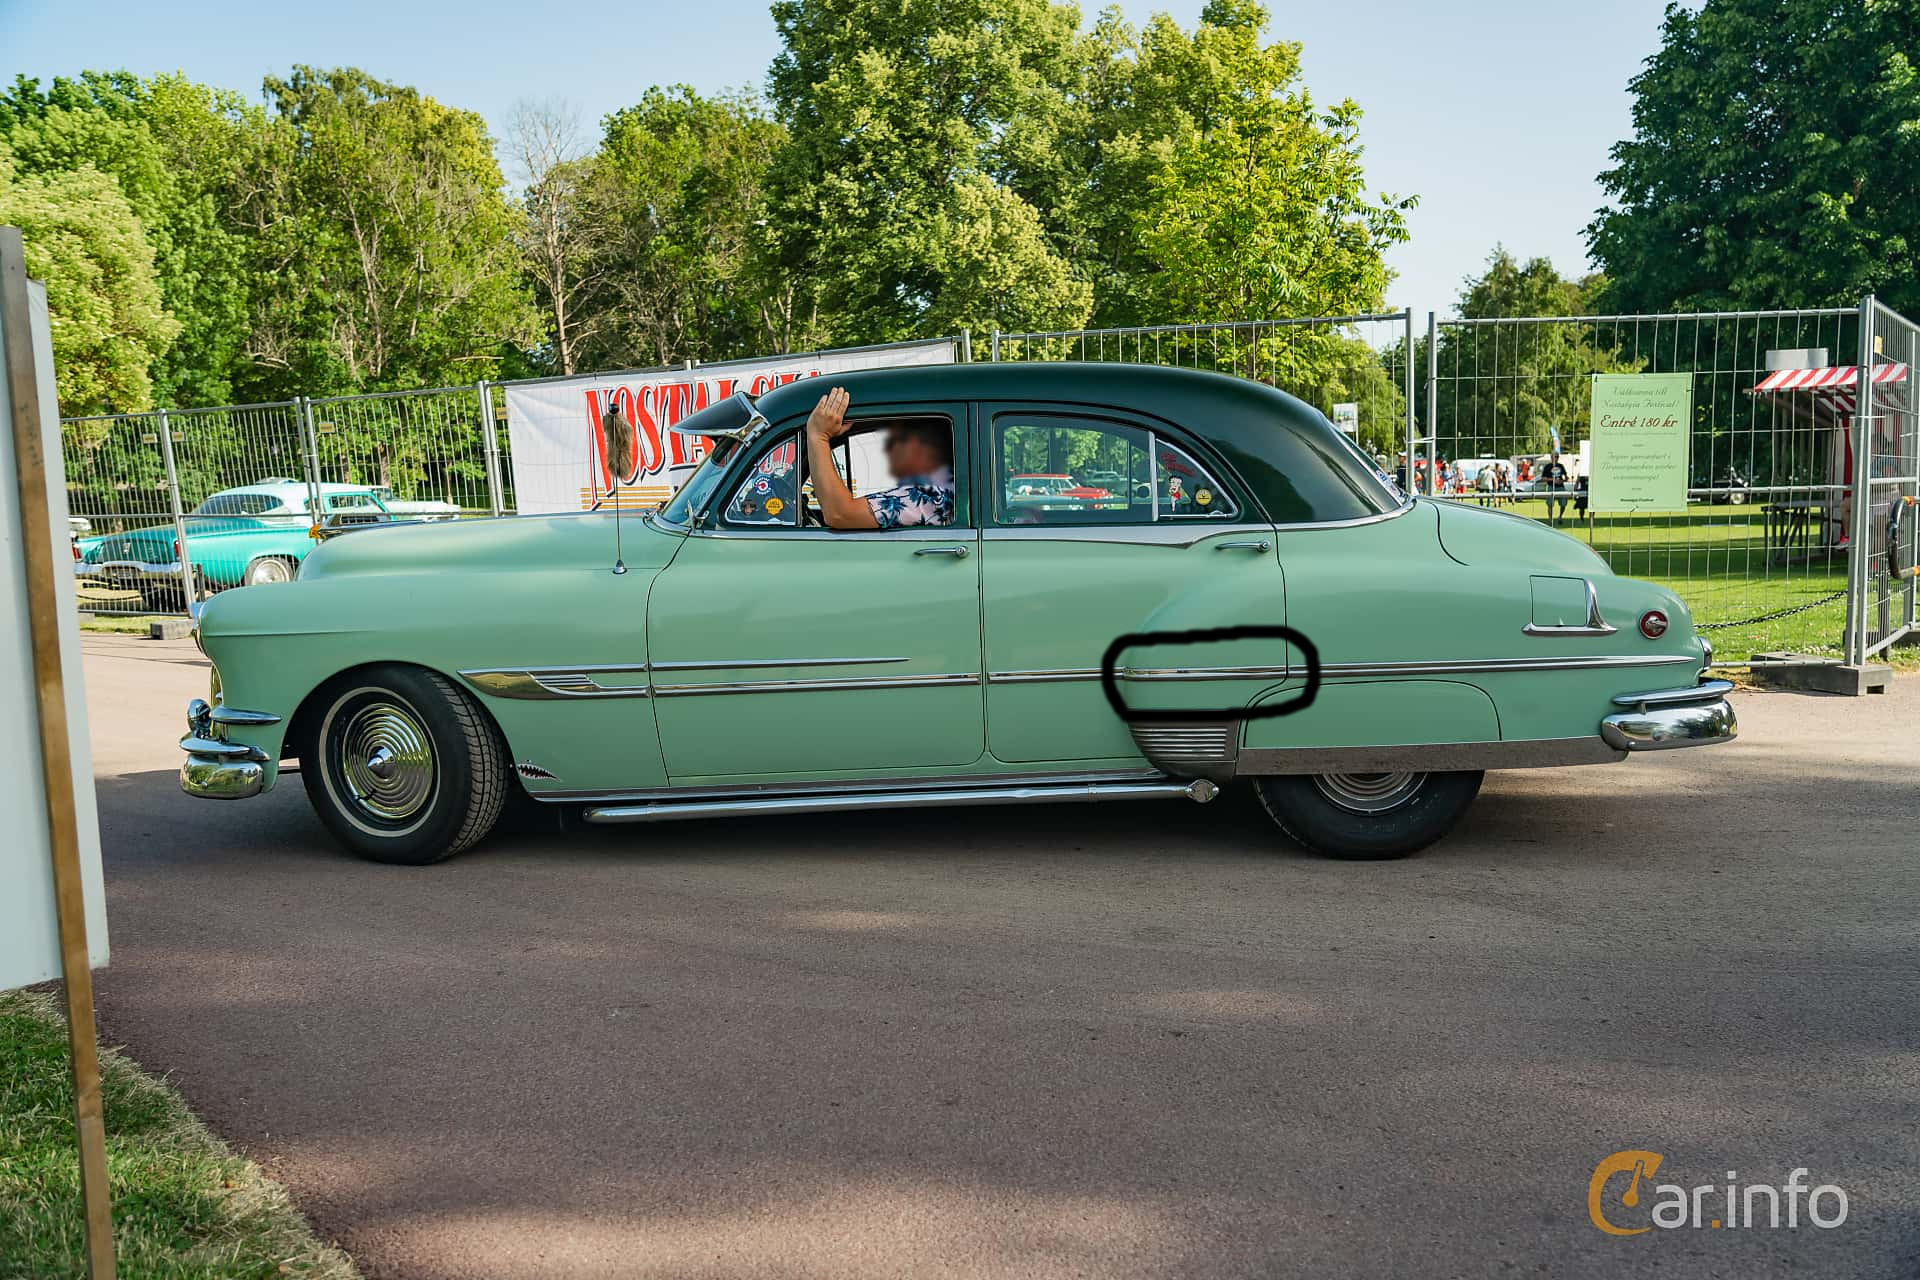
column 1775, row 160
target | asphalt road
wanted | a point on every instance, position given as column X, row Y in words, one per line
column 1132, row 1040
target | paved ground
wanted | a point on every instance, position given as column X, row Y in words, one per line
column 1139, row 1040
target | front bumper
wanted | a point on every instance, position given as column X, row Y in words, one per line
column 1663, row 719
column 216, row 769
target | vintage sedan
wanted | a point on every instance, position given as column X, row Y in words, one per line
column 240, row 537
column 1357, row 657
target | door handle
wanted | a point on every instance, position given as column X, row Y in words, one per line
column 957, row 552
column 1262, row 546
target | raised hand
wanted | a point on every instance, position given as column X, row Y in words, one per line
column 828, row 419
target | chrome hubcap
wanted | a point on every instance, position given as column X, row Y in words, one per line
column 387, row 760
column 1369, row 792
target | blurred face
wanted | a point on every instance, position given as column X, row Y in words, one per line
column 909, row 454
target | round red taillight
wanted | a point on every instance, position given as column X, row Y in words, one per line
column 1653, row 624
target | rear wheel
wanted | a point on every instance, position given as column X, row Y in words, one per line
column 1367, row 815
column 403, row 766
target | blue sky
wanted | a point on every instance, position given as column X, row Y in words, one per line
column 1497, row 113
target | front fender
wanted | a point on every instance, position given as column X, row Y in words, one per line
column 274, row 646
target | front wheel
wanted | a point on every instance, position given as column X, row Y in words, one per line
column 1366, row 816
column 402, row 766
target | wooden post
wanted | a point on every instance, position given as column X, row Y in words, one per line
column 56, row 767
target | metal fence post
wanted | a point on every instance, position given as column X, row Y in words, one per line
column 995, row 349
column 1406, row 434
column 490, row 434
column 310, row 447
column 1859, row 502
column 966, row 346
column 181, row 551
column 1433, row 399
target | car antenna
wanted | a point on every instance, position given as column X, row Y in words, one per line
column 619, row 436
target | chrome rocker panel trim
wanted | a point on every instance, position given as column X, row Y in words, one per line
column 1199, row 790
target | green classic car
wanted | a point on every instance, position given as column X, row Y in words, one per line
column 240, row 537
column 1359, row 658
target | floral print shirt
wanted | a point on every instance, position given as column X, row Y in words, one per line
column 917, row 500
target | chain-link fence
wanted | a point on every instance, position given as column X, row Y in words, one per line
column 1358, row 370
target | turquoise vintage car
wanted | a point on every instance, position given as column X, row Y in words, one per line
column 1260, row 608
column 245, row 536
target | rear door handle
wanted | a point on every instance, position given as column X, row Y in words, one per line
column 1261, row 546
column 941, row 551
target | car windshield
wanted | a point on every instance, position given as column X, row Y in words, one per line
column 238, row 504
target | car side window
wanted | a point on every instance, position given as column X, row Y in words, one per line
column 1059, row 470
column 765, row 499
column 778, row 494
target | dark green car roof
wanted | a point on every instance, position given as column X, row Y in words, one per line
column 1284, row 452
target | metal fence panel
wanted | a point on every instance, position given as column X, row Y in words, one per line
column 425, row 451
column 1761, row 553
column 1889, row 440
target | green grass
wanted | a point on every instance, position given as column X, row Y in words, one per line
column 131, row 624
column 1714, row 558
column 185, row 1206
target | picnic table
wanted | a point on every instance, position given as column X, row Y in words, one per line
column 1799, row 522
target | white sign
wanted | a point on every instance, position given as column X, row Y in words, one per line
column 559, row 452
column 29, row 922
column 1346, row 416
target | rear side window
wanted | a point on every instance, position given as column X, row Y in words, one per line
column 1058, row 470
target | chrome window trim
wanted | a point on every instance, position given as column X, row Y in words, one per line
column 810, row 533
column 1354, row 522
column 1184, row 534
column 944, row 679
column 926, row 782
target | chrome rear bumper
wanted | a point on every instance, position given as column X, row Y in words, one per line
column 1663, row 719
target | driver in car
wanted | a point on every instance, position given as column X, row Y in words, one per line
column 920, row 455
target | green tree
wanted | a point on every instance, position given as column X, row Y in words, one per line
column 1244, row 200
column 109, row 322
column 676, row 197
column 1505, row 388
column 1775, row 160
column 384, row 218
column 173, row 148
column 889, row 198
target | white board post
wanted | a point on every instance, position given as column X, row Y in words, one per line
column 56, row 924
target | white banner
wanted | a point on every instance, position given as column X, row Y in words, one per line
column 559, row 454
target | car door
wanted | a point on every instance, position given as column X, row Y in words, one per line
column 782, row 650
column 1177, row 546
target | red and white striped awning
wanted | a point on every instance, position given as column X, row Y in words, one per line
column 1844, row 377
column 1836, row 384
